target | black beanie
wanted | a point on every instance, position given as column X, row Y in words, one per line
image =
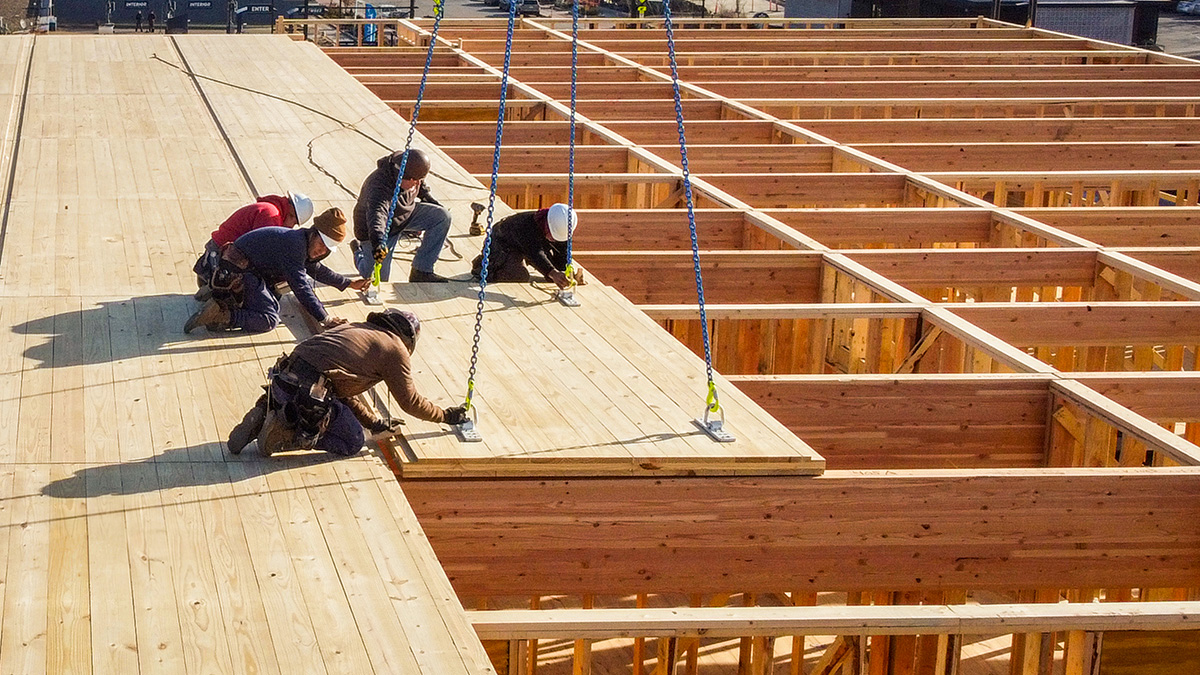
column 399, row 322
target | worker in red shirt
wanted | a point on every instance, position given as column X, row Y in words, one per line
column 269, row 211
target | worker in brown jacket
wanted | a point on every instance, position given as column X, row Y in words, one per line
column 312, row 400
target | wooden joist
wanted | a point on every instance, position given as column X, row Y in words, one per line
column 733, row 622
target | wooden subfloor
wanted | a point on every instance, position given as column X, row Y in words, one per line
column 132, row 541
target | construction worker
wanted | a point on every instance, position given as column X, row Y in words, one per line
column 312, row 398
column 269, row 211
column 537, row 238
column 416, row 211
column 243, row 284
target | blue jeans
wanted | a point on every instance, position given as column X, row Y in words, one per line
column 433, row 220
column 259, row 312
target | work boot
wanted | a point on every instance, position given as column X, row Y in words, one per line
column 204, row 293
column 212, row 316
column 416, row 276
column 247, row 430
column 274, row 435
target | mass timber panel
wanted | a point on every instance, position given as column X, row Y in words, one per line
column 141, row 548
column 979, row 529
column 563, row 392
column 534, row 418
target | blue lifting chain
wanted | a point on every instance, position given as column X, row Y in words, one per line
column 468, row 431
column 567, row 295
column 373, row 290
column 713, row 419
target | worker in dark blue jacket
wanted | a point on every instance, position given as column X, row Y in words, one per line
column 243, row 288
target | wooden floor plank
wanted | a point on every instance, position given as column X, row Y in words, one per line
column 33, row 421
column 421, row 592
column 129, row 388
column 293, row 634
column 23, row 633
column 68, row 434
column 388, row 645
column 8, row 506
column 68, row 593
column 326, row 600
column 206, row 638
column 12, row 362
column 114, row 629
column 160, row 645
column 244, row 618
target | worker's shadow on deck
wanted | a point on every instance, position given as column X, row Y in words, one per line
column 191, row 466
column 496, row 298
column 117, row 330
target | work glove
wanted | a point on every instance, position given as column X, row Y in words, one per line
column 385, row 427
column 379, row 253
column 332, row 321
column 455, row 415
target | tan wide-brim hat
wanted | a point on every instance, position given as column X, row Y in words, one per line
column 331, row 225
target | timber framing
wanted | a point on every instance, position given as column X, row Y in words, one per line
column 959, row 258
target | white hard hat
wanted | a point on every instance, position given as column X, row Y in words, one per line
column 303, row 206
column 561, row 220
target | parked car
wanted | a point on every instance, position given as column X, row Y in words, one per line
column 529, row 8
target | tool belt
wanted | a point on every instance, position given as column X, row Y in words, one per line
column 227, row 273
column 303, row 394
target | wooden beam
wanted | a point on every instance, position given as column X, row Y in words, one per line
column 1161, row 397
column 819, row 310
column 1126, row 226
column 815, row 190
column 733, row 622
column 887, row 530
column 1029, row 130
column 668, row 277
column 901, row 227
column 1039, row 156
column 1087, row 324
column 982, row 267
column 910, row 422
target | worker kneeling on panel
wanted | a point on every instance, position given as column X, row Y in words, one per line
column 244, row 280
column 269, row 211
column 416, row 212
column 312, row 396
column 537, row 238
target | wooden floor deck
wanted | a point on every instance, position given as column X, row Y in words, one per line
column 132, row 541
